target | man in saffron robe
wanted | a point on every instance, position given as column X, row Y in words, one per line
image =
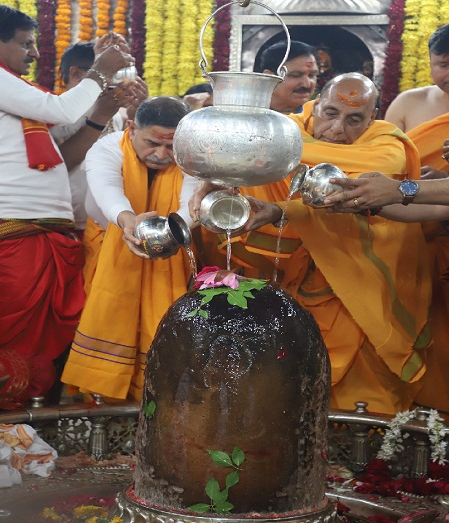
column 41, row 282
column 130, row 175
column 366, row 281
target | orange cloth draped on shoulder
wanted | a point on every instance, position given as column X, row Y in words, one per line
column 41, row 152
column 129, row 295
column 367, row 285
column 428, row 138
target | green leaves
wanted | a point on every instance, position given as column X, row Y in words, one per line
column 219, row 498
column 237, row 297
column 150, row 409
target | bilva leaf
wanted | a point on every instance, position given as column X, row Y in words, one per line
column 237, row 298
column 201, row 508
column 232, row 479
column 224, row 508
column 150, row 409
column 238, row 456
column 221, row 497
column 203, row 314
column 192, row 313
column 212, row 488
column 220, row 458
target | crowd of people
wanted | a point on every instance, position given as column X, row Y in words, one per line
column 81, row 169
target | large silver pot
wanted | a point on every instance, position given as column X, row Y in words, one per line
column 239, row 141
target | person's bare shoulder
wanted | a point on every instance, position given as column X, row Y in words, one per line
column 410, row 108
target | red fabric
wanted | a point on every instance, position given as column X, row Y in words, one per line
column 41, row 289
column 41, row 151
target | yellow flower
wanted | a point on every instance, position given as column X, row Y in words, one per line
column 49, row 513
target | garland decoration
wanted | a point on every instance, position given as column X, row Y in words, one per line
column 138, row 34
column 394, row 438
column 189, row 51
column 421, row 20
column 85, row 31
column 91, row 509
column 47, row 50
column 119, row 17
column 170, row 46
column 103, row 18
column 221, row 39
column 393, row 54
column 154, row 22
column 63, row 37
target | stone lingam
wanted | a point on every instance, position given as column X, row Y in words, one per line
column 233, row 422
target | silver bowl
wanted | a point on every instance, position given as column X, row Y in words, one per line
column 124, row 75
column 220, row 211
column 161, row 237
column 314, row 185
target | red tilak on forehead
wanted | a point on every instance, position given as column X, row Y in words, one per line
column 309, row 64
column 164, row 136
column 349, row 100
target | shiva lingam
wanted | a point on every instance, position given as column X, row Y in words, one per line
column 233, row 422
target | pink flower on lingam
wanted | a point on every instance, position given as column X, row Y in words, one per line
column 216, row 277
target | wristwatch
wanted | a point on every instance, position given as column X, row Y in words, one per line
column 409, row 189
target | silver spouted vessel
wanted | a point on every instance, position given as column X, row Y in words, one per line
column 239, row 141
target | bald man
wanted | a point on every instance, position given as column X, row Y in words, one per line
column 366, row 284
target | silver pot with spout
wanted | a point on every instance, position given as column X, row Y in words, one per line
column 161, row 237
column 239, row 141
column 314, row 185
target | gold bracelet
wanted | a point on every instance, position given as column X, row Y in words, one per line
column 101, row 76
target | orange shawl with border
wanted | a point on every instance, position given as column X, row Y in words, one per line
column 129, row 295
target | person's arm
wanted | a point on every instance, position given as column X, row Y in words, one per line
column 375, row 189
column 189, row 186
column 396, row 112
column 104, row 163
column 415, row 213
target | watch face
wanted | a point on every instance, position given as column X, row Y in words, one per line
column 408, row 187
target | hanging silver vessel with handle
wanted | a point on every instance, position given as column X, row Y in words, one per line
column 239, row 141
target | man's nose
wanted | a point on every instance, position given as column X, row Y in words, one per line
column 337, row 125
column 161, row 152
column 32, row 51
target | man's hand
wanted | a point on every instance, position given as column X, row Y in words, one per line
column 128, row 221
column 369, row 190
column 429, row 173
column 200, row 192
column 264, row 213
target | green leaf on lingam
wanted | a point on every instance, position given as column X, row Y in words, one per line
column 212, row 488
column 201, row 508
column 238, row 456
column 232, row 479
column 237, row 298
column 220, row 458
column 150, row 409
column 224, row 508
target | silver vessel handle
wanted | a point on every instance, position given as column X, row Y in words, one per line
column 282, row 70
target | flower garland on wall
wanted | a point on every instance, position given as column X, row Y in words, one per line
column 222, row 34
column 63, row 36
column 205, row 9
column 170, row 47
column 154, row 22
column 47, row 50
column 85, row 21
column 189, row 51
column 103, row 17
column 138, row 34
column 421, row 20
column 393, row 54
column 119, row 17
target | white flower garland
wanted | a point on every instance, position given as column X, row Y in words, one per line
column 394, row 438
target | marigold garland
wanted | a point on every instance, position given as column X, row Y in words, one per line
column 85, row 30
column 170, row 47
column 189, row 51
column 119, row 17
column 205, row 9
column 154, row 22
column 393, row 54
column 47, row 50
column 63, row 36
column 103, row 17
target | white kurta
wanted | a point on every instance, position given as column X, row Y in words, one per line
column 27, row 193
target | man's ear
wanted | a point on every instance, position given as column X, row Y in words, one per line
column 76, row 74
column 373, row 116
column 132, row 127
column 268, row 71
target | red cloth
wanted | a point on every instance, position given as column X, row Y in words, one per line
column 41, row 152
column 41, row 289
